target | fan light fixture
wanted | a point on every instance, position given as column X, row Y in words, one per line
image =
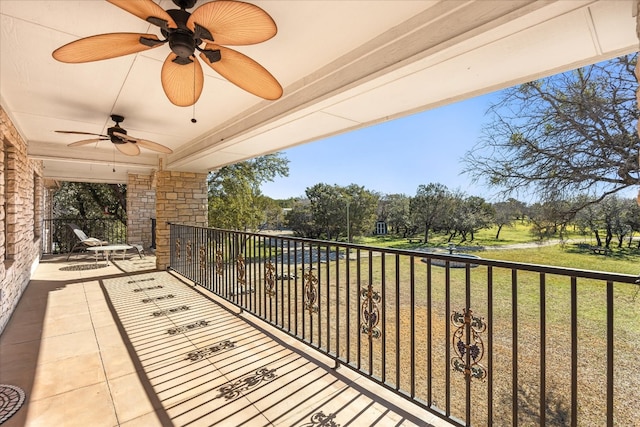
column 220, row 22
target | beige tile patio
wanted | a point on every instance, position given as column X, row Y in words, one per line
column 131, row 398
column 117, row 362
column 68, row 345
column 81, row 407
column 68, row 374
column 111, row 361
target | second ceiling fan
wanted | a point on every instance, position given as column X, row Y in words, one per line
column 126, row 144
column 220, row 22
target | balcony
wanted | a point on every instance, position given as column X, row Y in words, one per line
column 251, row 329
column 125, row 344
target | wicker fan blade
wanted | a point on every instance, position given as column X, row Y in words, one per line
column 145, row 9
column 244, row 72
column 154, row 146
column 182, row 83
column 86, row 142
column 233, row 22
column 102, row 46
column 128, row 148
column 73, row 132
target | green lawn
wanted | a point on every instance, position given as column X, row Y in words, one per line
column 572, row 254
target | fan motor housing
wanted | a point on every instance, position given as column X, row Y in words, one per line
column 115, row 139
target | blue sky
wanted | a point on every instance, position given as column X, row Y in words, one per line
column 392, row 157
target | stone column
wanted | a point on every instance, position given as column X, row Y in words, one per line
column 181, row 197
column 141, row 207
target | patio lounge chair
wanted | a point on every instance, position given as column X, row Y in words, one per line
column 84, row 241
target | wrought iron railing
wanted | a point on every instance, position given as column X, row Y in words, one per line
column 475, row 341
column 58, row 237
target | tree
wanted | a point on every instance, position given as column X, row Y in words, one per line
column 327, row 209
column 333, row 207
column 394, row 210
column 573, row 133
column 551, row 217
column 590, row 219
column 505, row 213
column 474, row 214
column 361, row 211
column 90, row 201
column 235, row 200
column 428, row 206
column 300, row 220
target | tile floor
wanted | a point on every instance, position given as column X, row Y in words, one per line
column 126, row 345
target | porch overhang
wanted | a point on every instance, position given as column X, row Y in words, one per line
column 343, row 66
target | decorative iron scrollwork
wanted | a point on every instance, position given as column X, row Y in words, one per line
column 232, row 390
column 319, row 419
column 202, row 255
column 370, row 312
column 178, row 244
column 310, row 292
column 269, row 279
column 189, row 252
column 207, row 351
column 169, row 311
column 159, row 298
column 147, row 279
column 219, row 262
column 240, row 270
column 473, row 351
column 149, row 288
column 189, row 327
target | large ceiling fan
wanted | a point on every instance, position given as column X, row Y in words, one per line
column 220, row 22
column 118, row 136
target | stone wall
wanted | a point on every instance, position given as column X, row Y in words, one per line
column 181, row 197
column 141, row 207
column 21, row 206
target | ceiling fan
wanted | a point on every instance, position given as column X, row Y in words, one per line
column 118, row 136
column 220, row 22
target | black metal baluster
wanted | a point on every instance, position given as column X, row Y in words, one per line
column 514, row 347
column 610, row 342
column 543, row 346
column 412, row 308
column 447, row 305
column 490, row 346
column 574, row 351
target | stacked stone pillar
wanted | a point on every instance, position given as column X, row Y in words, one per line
column 141, row 207
column 181, row 197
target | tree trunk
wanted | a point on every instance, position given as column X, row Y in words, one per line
column 498, row 233
column 598, row 239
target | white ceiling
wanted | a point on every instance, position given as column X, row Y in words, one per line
column 343, row 65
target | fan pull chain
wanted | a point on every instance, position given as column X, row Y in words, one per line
column 193, row 118
column 114, row 158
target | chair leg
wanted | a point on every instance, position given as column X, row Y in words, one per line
column 71, row 252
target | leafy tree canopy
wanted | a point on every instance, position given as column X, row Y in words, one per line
column 90, row 201
column 334, row 211
column 573, row 133
column 235, row 200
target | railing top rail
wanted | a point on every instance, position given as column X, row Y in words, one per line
column 458, row 258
